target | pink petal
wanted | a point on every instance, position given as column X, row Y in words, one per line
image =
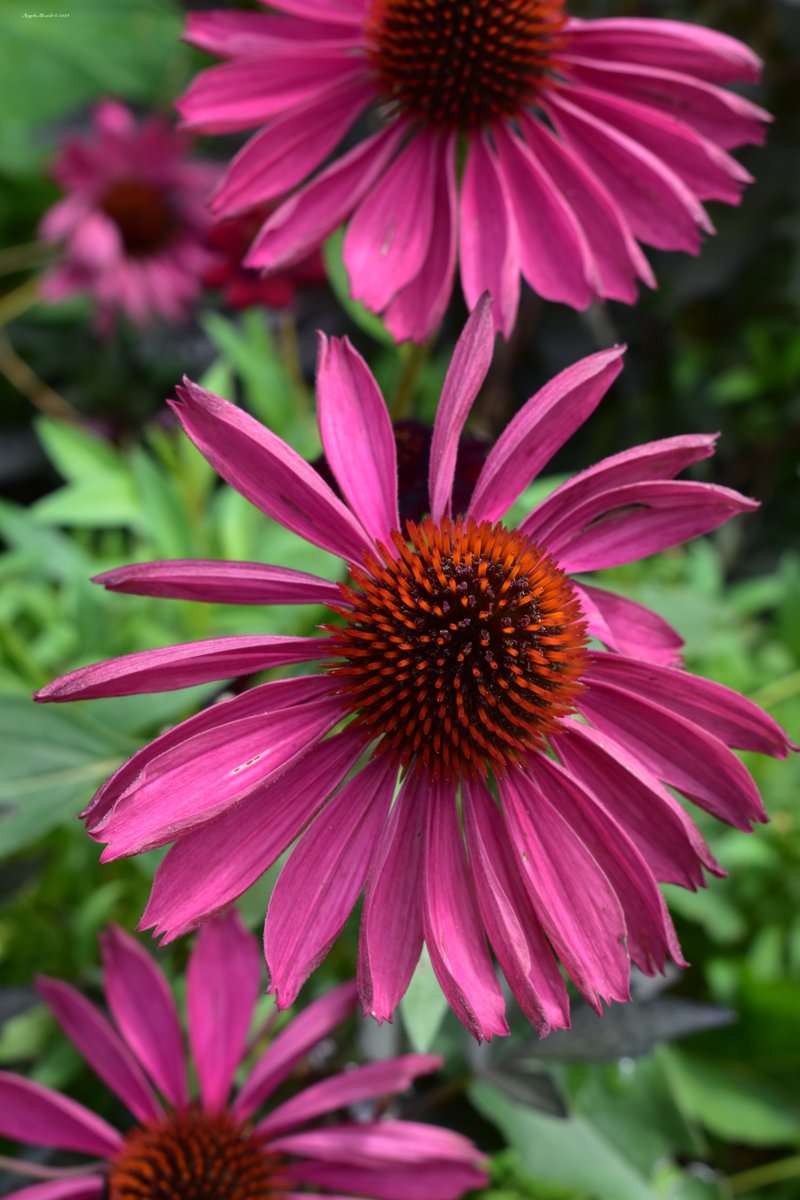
column 268, row 473
column 674, row 749
column 488, row 249
column 628, row 627
column 86, row 1187
column 539, row 429
column 357, row 436
column 328, row 869
column 39, row 1116
column 730, row 716
column 362, row 1083
column 378, row 1142
column 220, row 582
column 453, row 931
column 223, row 983
column 511, row 922
column 673, row 44
column 101, row 1046
column 293, row 1044
column 142, row 1006
column 553, row 254
column 212, row 865
column 465, row 375
column 434, row 1181
column 573, row 899
column 338, row 12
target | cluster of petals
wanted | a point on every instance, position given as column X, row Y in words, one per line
column 244, row 287
column 133, row 223
column 139, row 1053
column 564, row 862
column 626, row 135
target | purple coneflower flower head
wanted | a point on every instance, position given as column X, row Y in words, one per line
column 226, row 1141
column 503, row 135
column 533, row 768
column 133, row 222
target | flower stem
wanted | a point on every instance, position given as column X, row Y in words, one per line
column 761, row 1177
column 25, row 380
column 414, row 360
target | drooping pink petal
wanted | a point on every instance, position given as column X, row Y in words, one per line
column 39, row 1116
column 488, row 249
column 247, row 34
column 144, row 1010
column 195, row 879
column 268, row 473
column 511, row 922
column 573, row 899
column 338, row 12
column 687, row 758
column 292, row 1044
column 391, row 924
column 727, row 714
column 384, row 1141
column 362, row 1083
column 217, row 582
column 101, row 1046
column 85, row 1187
column 223, row 982
column 465, row 375
column 628, row 627
column 434, row 1181
column 541, row 427
column 357, row 436
column 451, row 924
column 678, row 45
column 328, row 869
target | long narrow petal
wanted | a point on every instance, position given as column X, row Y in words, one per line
column 142, row 1006
column 465, row 375
column 678, row 45
column 377, row 1142
column 541, row 428
column 514, row 930
column 573, row 899
column 39, row 1116
column 247, row 34
column 488, row 253
column 453, row 931
column 101, row 1046
column 292, row 1044
column 362, row 1083
column 628, row 627
column 434, row 1181
column 391, row 924
column 268, row 473
column 217, row 582
column 338, row 12
column 211, row 866
column 86, row 1187
column 328, row 869
column 357, row 436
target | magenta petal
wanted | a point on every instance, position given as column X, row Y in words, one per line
column 573, row 899
column 676, row 45
column 223, row 982
column 488, row 253
column 174, row 667
column 338, row 12
column 386, row 1141
column 101, row 1046
column 327, row 870
column 541, row 427
column 268, row 473
column 391, row 924
column 628, row 627
column 511, row 922
column 86, row 1187
column 212, row 865
column 220, row 582
column 465, row 375
column 357, row 436
column 362, row 1083
column 142, row 1006
column 434, row 1181
column 292, row 1044
column 38, row 1116
column 453, row 930
column 675, row 750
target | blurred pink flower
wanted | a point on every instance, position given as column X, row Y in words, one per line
column 244, row 287
column 506, row 135
column 533, row 805
column 133, row 222
column 215, row 1144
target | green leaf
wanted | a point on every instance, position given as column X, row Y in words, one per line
column 76, row 454
column 424, row 1006
column 337, row 276
column 102, row 502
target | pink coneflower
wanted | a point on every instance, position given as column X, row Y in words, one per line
column 502, row 133
column 187, row 1146
column 133, row 222
column 244, row 287
column 532, row 806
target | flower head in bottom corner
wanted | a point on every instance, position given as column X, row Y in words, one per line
column 222, row 1143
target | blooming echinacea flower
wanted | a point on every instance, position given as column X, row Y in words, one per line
column 505, row 134
column 214, row 1144
column 533, row 805
column 133, row 222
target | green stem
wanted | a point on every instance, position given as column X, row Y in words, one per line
column 415, row 358
column 20, row 258
column 761, row 1177
column 777, row 692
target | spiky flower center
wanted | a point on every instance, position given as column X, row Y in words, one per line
column 194, row 1155
column 142, row 213
column 458, row 64
column 462, row 650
